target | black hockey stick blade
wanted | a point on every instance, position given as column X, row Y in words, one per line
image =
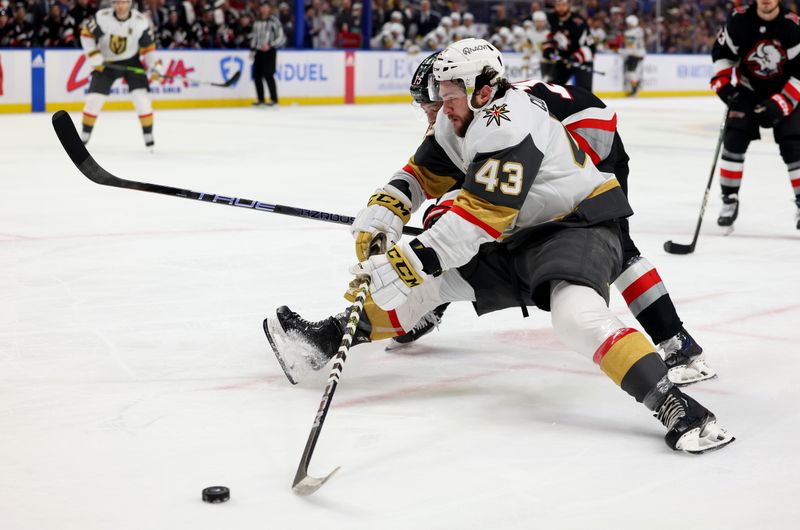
column 230, row 81
column 68, row 136
column 677, row 248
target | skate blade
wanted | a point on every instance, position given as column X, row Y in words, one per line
column 691, row 373
column 727, row 230
column 397, row 346
column 271, row 332
column 701, row 440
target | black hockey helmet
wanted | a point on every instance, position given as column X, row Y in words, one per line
column 419, row 81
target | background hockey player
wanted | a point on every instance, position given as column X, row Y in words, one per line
column 120, row 37
column 530, row 186
column 633, row 51
column 757, row 75
column 569, row 48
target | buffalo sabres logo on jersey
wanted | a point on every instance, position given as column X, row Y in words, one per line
column 117, row 44
column 495, row 114
column 765, row 59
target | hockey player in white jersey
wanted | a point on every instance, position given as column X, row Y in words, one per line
column 114, row 39
column 535, row 224
column 633, row 51
column 594, row 127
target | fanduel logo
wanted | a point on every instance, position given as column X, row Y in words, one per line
column 474, row 49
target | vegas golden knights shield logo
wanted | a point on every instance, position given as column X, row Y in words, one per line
column 117, row 44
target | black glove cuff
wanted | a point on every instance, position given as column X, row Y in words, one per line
column 427, row 256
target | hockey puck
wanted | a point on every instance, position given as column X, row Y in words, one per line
column 216, row 494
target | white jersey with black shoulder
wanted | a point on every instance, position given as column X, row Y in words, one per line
column 634, row 42
column 522, row 170
column 117, row 39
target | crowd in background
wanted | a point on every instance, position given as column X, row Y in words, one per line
column 671, row 26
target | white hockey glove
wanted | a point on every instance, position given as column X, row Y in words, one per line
column 384, row 214
column 394, row 274
column 95, row 60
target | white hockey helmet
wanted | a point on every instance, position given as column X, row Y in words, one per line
column 539, row 15
column 464, row 61
column 632, row 20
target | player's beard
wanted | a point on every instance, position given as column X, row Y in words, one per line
column 463, row 124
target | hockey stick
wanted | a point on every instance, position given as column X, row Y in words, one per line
column 68, row 135
column 142, row 71
column 678, row 248
column 305, row 484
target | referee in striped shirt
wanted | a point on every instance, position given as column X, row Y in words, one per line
column 266, row 38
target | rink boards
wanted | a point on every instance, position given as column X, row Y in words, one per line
column 42, row 80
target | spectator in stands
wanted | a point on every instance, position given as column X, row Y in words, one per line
column 500, row 19
column 426, row 19
column 326, row 21
column 379, row 13
column 83, row 10
column 5, row 28
column 467, row 28
column 204, row 30
column 22, row 32
column 287, row 21
column 345, row 15
column 156, row 12
column 598, row 33
column 434, row 40
column 57, row 31
column 174, row 33
column 347, row 39
column 310, row 30
column 243, row 30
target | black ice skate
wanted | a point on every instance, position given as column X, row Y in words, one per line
column 85, row 136
column 729, row 211
column 691, row 427
column 149, row 142
column 301, row 346
column 685, row 360
column 426, row 324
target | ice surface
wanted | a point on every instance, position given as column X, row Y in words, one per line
column 134, row 371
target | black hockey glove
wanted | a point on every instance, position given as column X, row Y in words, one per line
column 730, row 95
column 772, row 111
column 550, row 55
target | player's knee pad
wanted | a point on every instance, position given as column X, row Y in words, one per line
column 580, row 317
column 94, row 103
column 790, row 150
column 141, row 102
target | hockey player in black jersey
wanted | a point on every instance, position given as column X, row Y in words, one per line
column 757, row 75
column 569, row 48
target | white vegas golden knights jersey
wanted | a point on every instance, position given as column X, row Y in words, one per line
column 634, row 42
column 522, row 170
column 116, row 39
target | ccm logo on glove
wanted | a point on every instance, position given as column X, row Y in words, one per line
column 405, row 271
